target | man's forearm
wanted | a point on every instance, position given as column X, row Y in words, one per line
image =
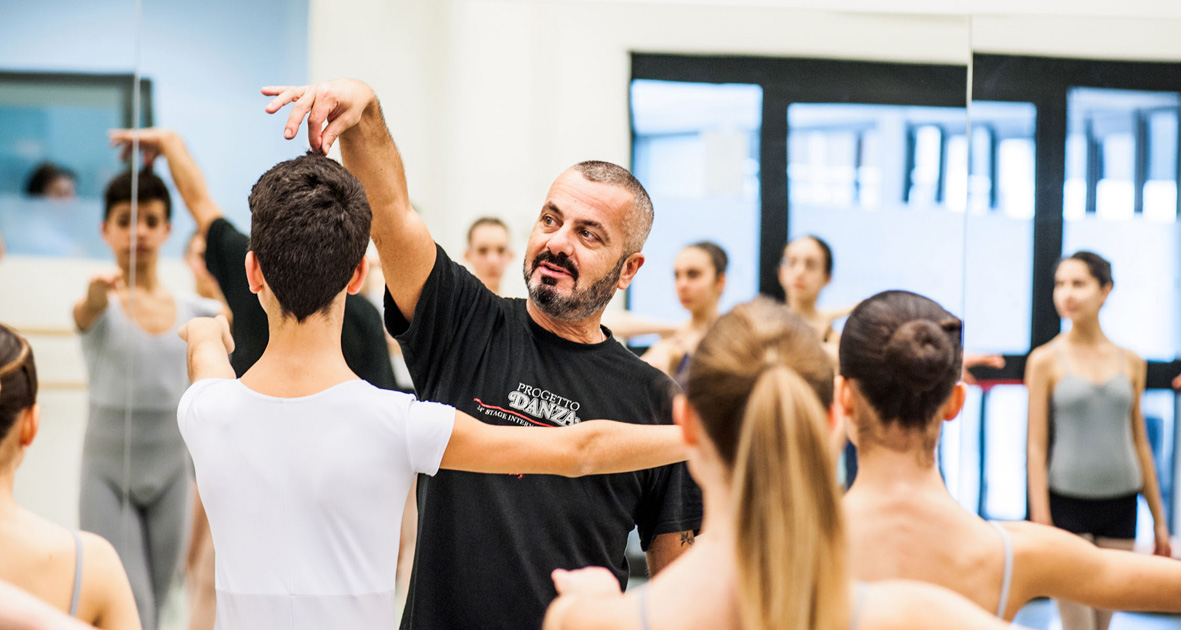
column 666, row 548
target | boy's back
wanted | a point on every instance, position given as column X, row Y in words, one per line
column 303, row 495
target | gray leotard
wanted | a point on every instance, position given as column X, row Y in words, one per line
column 149, row 539
column 1007, row 576
column 77, row 575
column 1093, row 456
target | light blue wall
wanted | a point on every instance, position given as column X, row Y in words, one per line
column 206, row 61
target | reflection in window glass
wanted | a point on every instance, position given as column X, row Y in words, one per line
column 873, row 180
column 63, row 123
column 696, row 151
column 1121, row 185
column 1005, row 413
column 999, row 253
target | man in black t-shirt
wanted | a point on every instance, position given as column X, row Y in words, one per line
column 362, row 337
column 487, row 543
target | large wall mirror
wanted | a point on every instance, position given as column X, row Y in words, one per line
column 1075, row 148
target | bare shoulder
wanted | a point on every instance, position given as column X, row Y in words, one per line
column 101, row 566
column 911, row 605
column 1044, row 357
column 106, row 599
column 1135, row 363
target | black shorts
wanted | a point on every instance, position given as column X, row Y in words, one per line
column 1102, row 518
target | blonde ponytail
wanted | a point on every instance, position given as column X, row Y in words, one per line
column 790, row 537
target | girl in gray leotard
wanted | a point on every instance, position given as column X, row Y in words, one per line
column 135, row 479
column 1088, row 447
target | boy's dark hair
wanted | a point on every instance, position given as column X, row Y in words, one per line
column 151, row 188
column 43, row 175
column 309, row 231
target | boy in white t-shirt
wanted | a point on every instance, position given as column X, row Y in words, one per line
column 303, row 467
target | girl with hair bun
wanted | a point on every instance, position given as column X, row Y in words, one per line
column 75, row 573
column 772, row 554
column 1089, row 455
column 700, row 272
column 900, row 362
column 805, row 270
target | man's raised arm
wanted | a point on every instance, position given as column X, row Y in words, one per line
column 352, row 113
column 185, row 173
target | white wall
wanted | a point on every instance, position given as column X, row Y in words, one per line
column 491, row 99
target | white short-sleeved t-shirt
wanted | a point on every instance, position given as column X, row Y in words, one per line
column 304, row 498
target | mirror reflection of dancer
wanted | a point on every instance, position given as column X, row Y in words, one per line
column 804, row 272
column 488, row 251
column 77, row 573
column 1085, row 391
column 225, row 253
column 757, row 422
column 700, row 275
column 149, row 541
column 545, row 360
column 304, row 467
column 900, row 363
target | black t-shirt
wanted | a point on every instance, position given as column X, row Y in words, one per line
column 487, row 543
column 362, row 338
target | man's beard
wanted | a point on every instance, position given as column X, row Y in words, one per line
column 580, row 304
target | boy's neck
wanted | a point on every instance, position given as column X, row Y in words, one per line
column 301, row 358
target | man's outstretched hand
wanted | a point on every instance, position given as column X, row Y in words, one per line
column 338, row 103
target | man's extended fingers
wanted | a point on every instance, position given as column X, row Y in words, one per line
column 298, row 111
column 320, row 111
column 283, row 97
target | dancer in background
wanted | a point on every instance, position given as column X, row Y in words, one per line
column 137, row 374
column 804, row 272
column 1085, row 391
column 77, row 573
column 700, row 275
column 900, row 364
column 225, row 256
column 488, row 251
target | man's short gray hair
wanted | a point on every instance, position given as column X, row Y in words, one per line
column 639, row 222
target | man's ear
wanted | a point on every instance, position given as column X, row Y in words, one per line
column 30, row 423
column 955, row 403
column 630, row 268
column 358, row 279
column 686, row 418
column 254, row 273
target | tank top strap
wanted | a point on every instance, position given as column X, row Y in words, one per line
column 1007, row 579
column 77, row 574
column 860, row 592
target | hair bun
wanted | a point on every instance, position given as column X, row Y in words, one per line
column 922, row 354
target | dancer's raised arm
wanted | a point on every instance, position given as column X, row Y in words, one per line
column 348, row 110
